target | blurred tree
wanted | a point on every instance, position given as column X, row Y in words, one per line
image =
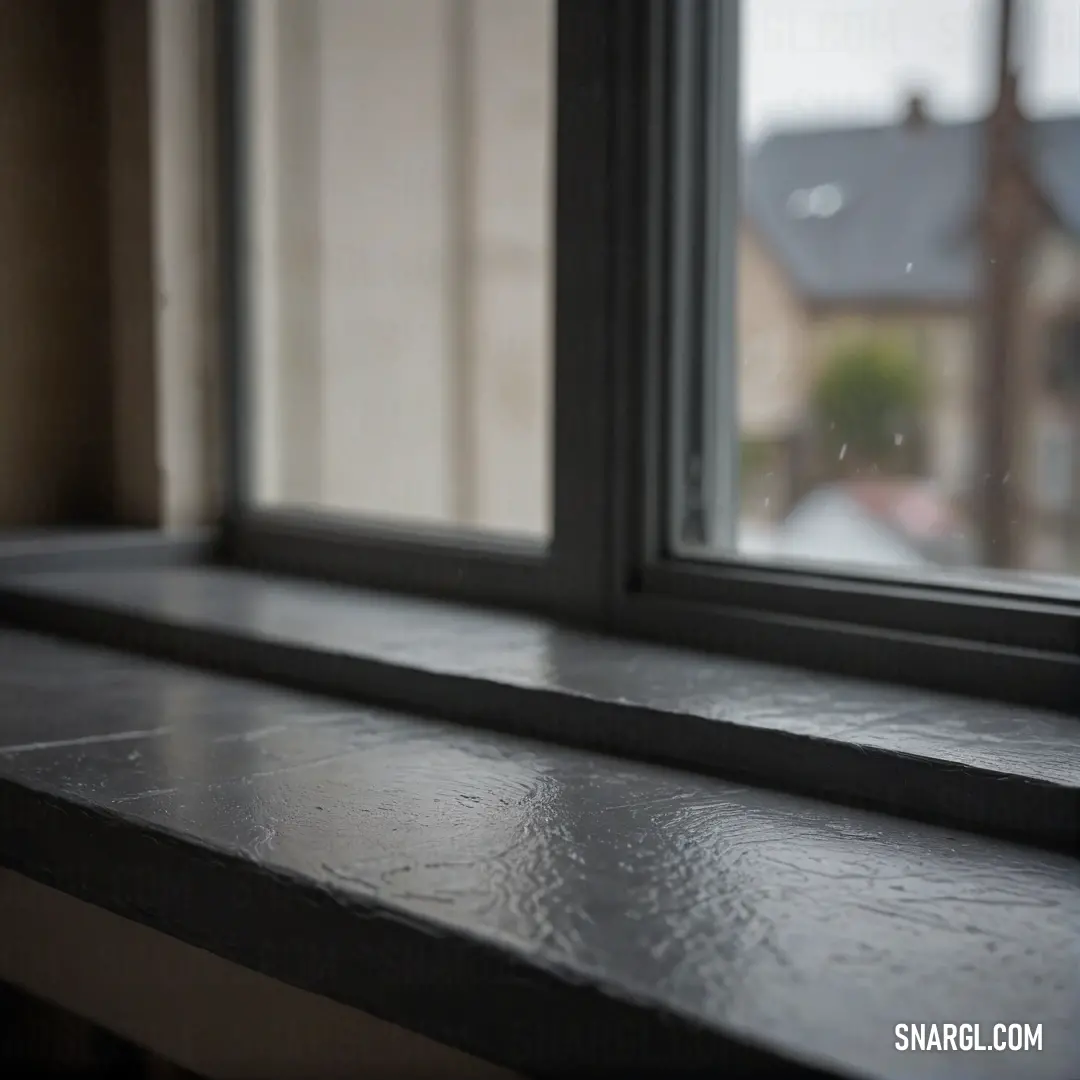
column 867, row 409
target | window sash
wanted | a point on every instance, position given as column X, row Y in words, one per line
column 565, row 576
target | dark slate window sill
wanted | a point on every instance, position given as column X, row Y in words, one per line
column 544, row 907
column 1001, row 770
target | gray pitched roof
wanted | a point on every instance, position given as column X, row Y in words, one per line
column 906, row 196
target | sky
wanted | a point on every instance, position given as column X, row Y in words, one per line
column 809, row 62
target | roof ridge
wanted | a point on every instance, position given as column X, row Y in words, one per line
column 897, row 127
column 905, row 196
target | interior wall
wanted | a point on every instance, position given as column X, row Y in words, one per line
column 55, row 428
column 131, row 261
column 196, row 1010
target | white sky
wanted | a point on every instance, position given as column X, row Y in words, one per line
column 807, row 62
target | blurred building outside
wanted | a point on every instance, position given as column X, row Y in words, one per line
column 872, row 233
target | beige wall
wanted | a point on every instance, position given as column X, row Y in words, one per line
column 513, row 91
column 285, row 259
column 951, row 345
column 386, row 361
column 771, row 343
column 183, row 187
column 403, row 279
column 1054, row 278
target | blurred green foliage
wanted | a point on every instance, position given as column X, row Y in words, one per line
column 867, row 406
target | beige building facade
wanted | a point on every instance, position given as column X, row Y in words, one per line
column 401, row 223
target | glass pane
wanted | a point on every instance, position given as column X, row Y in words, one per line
column 907, row 312
column 400, row 165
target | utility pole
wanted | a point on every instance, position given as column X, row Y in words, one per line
column 1006, row 223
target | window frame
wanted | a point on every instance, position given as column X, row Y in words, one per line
column 563, row 576
column 631, row 193
column 1004, row 640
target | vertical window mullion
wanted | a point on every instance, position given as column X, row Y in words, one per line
column 584, row 414
column 704, row 155
column 718, row 223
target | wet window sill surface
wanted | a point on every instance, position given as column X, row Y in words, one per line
column 491, row 890
column 1007, row 771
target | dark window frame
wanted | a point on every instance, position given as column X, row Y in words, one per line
column 992, row 638
column 563, row 577
column 641, row 92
